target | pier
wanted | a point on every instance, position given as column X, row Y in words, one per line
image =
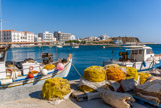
column 36, row 43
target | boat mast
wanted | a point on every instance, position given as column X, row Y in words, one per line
column 1, row 18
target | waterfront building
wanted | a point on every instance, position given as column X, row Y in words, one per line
column 54, row 39
column 39, row 39
column 30, row 36
column 46, row 36
column 62, row 37
column 118, row 42
column 35, row 38
column 83, row 39
column 91, row 38
column 103, row 37
column 16, row 36
column 72, row 37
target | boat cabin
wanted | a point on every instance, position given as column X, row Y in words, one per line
column 3, row 55
column 137, row 54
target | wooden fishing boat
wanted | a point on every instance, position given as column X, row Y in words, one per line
column 140, row 57
column 12, row 77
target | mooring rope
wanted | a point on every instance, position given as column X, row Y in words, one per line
column 77, row 70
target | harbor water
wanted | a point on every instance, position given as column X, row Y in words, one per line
column 83, row 57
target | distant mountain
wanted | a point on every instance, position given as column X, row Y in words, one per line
column 126, row 39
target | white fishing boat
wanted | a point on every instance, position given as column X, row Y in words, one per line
column 103, row 47
column 140, row 57
column 11, row 76
column 59, row 46
column 75, row 46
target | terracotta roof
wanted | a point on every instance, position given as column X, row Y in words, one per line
column 27, row 32
column 15, row 31
column 6, row 30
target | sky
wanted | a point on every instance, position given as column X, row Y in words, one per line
column 83, row 18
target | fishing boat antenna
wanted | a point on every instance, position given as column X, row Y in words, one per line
column 1, row 18
column 56, row 51
column 40, row 58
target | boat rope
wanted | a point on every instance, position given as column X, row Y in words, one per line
column 77, row 70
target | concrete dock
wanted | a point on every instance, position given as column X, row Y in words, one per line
column 25, row 99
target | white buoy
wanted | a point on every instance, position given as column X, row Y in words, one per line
column 44, row 72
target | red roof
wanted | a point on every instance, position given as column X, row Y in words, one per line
column 15, row 31
column 6, row 30
column 27, row 32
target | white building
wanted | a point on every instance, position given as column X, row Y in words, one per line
column 63, row 37
column 72, row 37
column 54, row 39
column 39, row 39
column 103, row 37
column 46, row 36
column 16, row 36
column 30, row 36
column 35, row 38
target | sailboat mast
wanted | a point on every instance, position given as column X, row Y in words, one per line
column 1, row 18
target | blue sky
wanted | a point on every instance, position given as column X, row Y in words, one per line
column 138, row 18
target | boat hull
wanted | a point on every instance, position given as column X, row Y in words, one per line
column 75, row 46
column 138, row 65
column 59, row 46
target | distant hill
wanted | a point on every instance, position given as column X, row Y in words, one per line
column 126, row 39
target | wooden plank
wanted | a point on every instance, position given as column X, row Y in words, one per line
column 81, row 96
column 146, row 102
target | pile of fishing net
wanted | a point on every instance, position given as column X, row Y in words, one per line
column 29, row 60
column 139, row 77
column 143, row 77
column 55, row 88
column 131, row 72
column 122, row 78
column 111, row 65
column 93, row 77
column 114, row 73
column 34, row 72
column 94, row 74
column 49, row 67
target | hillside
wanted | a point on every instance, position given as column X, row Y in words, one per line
column 126, row 39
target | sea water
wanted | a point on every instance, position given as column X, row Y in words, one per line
column 83, row 57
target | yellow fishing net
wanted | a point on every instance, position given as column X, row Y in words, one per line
column 115, row 73
column 86, row 88
column 131, row 72
column 143, row 77
column 94, row 74
column 113, row 65
column 34, row 72
column 49, row 66
column 55, row 87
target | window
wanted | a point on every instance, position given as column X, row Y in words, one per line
column 140, row 51
column 134, row 51
column 149, row 51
